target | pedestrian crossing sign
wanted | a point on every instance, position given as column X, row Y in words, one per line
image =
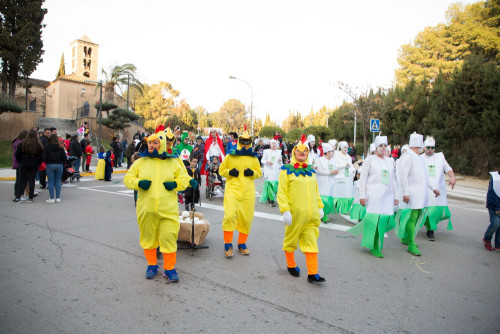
column 374, row 125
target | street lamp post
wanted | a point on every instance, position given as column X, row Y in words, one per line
column 100, row 110
column 327, row 116
column 251, row 103
column 128, row 87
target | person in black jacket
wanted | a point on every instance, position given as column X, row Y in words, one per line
column 42, row 176
column 75, row 150
column 83, row 146
column 192, row 195
column 29, row 156
column 117, row 150
column 54, row 157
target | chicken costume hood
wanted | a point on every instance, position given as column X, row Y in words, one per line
column 299, row 168
column 244, row 146
column 166, row 139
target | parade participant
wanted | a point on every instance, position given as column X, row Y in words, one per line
column 314, row 152
column 240, row 168
column 343, row 192
column 213, row 148
column 184, row 149
column 300, row 203
column 108, row 164
column 358, row 211
column 89, row 151
column 101, row 164
column 378, row 193
column 157, row 176
column 272, row 162
column 437, row 206
column 333, row 143
column 412, row 178
column 233, row 142
column 326, row 179
column 493, row 205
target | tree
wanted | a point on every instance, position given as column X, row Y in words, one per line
column 120, row 76
column 232, row 116
column 21, row 45
column 62, row 68
column 106, row 107
column 119, row 119
column 320, row 132
column 156, row 104
column 268, row 121
column 444, row 47
column 293, row 121
column 270, row 131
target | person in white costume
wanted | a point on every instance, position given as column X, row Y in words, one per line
column 358, row 211
column 272, row 162
column 314, row 153
column 412, row 177
column 437, row 166
column 343, row 192
column 333, row 143
column 379, row 193
column 325, row 175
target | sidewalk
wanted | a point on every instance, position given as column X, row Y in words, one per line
column 467, row 188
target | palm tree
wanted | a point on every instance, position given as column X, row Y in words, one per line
column 119, row 76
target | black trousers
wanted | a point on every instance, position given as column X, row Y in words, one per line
column 43, row 178
column 27, row 175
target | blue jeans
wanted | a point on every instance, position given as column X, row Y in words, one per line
column 54, row 174
column 76, row 164
column 494, row 228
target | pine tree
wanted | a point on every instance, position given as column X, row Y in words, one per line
column 62, row 68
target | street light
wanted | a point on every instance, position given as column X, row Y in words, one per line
column 100, row 109
column 311, row 119
column 327, row 116
column 251, row 103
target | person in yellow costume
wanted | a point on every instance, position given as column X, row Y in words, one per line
column 157, row 177
column 302, row 208
column 240, row 168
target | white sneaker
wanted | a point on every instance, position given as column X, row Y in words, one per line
column 58, row 200
column 51, row 201
column 24, row 197
column 37, row 191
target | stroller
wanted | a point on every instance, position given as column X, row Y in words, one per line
column 69, row 170
column 214, row 185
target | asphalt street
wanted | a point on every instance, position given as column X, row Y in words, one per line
column 77, row 267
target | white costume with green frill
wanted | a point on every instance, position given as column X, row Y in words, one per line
column 378, row 186
column 271, row 174
column 343, row 191
column 326, row 183
column 438, row 209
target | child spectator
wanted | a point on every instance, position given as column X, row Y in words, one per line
column 213, row 168
column 108, row 167
column 88, row 152
column 191, row 194
column 101, row 164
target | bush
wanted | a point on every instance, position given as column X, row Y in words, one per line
column 9, row 105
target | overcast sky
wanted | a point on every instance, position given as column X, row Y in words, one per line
column 290, row 52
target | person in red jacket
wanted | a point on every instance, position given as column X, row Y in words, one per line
column 88, row 152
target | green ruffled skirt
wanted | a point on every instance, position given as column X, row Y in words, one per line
column 269, row 191
column 358, row 212
column 437, row 214
column 402, row 218
column 372, row 223
column 329, row 207
column 343, row 205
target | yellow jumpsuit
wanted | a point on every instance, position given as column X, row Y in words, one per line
column 157, row 209
column 300, row 196
column 239, row 196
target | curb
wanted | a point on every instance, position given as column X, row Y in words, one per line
column 13, row 178
column 467, row 199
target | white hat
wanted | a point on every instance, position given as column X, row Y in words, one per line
column 326, row 148
column 372, row 148
column 136, row 141
column 416, row 140
column 405, row 148
column 311, row 138
column 273, row 141
column 429, row 141
column 379, row 140
column 343, row 144
column 333, row 143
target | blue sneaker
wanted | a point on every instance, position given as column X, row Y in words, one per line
column 171, row 275
column 243, row 249
column 228, row 250
column 151, row 271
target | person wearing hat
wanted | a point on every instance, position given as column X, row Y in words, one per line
column 358, row 211
column 302, row 208
column 184, row 149
column 213, row 148
column 343, row 191
column 437, row 166
column 240, row 168
column 272, row 162
column 314, row 152
column 198, row 151
column 412, row 177
column 333, row 143
column 157, row 177
column 378, row 193
column 326, row 174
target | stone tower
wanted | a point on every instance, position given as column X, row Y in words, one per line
column 84, row 56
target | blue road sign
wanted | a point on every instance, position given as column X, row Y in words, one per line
column 374, row 125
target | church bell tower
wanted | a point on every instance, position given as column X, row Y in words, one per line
column 84, row 55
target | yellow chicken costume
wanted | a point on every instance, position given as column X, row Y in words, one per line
column 240, row 168
column 157, row 177
column 302, row 208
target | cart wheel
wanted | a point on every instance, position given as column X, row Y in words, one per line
column 207, row 192
column 210, row 193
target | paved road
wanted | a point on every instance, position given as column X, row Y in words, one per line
column 76, row 267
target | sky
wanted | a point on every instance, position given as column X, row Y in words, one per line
column 290, row 53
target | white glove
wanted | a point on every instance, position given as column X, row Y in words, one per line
column 321, row 213
column 287, row 218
